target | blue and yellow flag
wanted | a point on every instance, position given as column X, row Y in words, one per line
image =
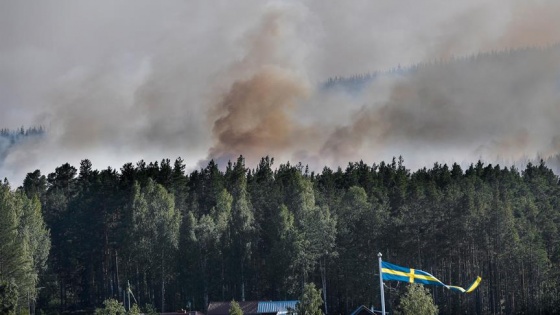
column 398, row 273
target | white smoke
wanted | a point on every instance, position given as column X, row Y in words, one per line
column 120, row 81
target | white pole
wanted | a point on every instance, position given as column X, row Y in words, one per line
column 381, row 286
column 128, row 293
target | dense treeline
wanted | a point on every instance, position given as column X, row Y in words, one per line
column 261, row 234
column 21, row 132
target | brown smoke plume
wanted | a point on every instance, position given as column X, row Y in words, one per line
column 254, row 117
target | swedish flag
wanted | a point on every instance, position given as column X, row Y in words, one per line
column 398, row 273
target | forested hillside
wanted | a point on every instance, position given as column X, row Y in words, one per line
column 260, row 234
column 454, row 68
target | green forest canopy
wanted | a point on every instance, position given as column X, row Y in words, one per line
column 261, row 234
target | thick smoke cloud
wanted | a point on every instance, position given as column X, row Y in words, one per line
column 499, row 107
column 254, row 116
column 120, row 81
column 257, row 120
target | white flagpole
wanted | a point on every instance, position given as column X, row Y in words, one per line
column 128, row 291
column 381, row 285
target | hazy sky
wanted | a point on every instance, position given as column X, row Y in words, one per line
column 120, row 81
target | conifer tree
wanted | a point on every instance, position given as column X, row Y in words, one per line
column 235, row 309
column 416, row 300
column 310, row 301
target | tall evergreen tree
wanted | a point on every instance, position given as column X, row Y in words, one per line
column 24, row 243
column 242, row 223
column 155, row 231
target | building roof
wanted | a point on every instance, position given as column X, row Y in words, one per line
column 252, row 307
column 362, row 310
column 276, row 306
column 222, row 308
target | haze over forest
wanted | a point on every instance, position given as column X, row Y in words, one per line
column 116, row 82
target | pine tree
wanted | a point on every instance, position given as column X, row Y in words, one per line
column 16, row 249
column 416, row 300
column 235, row 309
column 155, row 229
column 242, row 223
column 111, row 307
column 8, row 297
column 310, row 301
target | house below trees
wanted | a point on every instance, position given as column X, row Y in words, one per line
column 253, row 307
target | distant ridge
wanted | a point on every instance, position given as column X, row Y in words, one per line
column 356, row 83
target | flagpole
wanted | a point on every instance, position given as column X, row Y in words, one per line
column 381, row 285
column 128, row 291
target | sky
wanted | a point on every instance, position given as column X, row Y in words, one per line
column 121, row 81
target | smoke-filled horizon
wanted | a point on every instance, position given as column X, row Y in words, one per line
column 121, row 81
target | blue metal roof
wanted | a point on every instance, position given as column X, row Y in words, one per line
column 276, row 306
